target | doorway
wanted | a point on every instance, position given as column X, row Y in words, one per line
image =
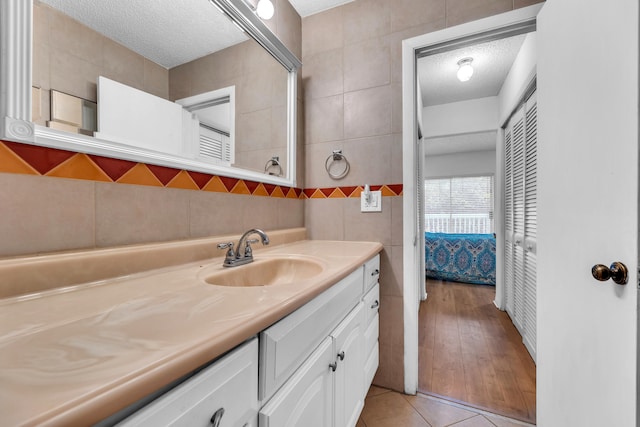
column 458, row 130
column 588, row 364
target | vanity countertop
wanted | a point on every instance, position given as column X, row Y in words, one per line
column 75, row 356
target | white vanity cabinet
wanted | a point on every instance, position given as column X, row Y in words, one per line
column 285, row 345
column 327, row 388
column 312, row 368
column 222, row 395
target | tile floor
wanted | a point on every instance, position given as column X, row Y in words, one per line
column 386, row 408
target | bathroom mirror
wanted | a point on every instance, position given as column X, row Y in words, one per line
column 254, row 66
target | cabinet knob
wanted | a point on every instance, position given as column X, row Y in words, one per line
column 375, row 304
column 217, row 417
column 333, row 366
column 375, row 272
column 341, row 355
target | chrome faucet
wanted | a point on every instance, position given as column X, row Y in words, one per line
column 242, row 255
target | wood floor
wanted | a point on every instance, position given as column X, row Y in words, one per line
column 470, row 352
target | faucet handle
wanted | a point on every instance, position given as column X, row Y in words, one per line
column 229, row 245
column 248, row 252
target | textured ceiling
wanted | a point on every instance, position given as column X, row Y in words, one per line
column 491, row 63
column 439, row 85
column 168, row 32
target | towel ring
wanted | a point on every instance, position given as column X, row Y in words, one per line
column 274, row 161
column 337, row 156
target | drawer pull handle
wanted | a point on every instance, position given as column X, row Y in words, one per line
column 333, row 366
column 375, row 304
column 341, row 355
column 375, row 272
column 217, row 417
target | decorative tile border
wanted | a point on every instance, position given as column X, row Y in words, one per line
column 348, row 192
column 35, row 160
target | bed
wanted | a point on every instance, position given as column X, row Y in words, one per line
column 467, row 258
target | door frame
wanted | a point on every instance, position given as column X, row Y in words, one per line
column 412, row 278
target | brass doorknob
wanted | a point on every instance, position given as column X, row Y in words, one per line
column 617, row 271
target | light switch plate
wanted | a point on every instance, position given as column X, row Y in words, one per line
column 374, row 205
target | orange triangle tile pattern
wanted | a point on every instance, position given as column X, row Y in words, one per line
column 35, row 160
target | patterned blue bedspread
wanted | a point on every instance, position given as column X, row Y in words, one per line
column 467, row 258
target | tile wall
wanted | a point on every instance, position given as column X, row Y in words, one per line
column 53, row 200
column 352, row 79
column 352, row 101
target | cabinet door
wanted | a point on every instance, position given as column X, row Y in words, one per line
column 285, row 345
column 307, row 398
column 349, row 375
column 371, row 331
column 371, row 366
column 228, row 388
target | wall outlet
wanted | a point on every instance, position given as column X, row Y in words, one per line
column 374, row 204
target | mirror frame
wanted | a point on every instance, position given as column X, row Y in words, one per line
column 16, row 36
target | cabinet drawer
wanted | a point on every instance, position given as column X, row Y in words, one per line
column 370, row 367
column 371, row 272
column 229, row 384
column 286, row 344
column 371, row 303
column 371, row 334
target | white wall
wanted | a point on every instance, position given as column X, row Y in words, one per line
column 476, row 115
column 521, row 74
column 460, row 164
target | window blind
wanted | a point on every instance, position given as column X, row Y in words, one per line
column 215, row 145
column 459, row 205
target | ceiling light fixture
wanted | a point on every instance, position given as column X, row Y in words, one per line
column 465, row 70
column 265, row 9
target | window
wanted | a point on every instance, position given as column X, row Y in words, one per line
column 459, row 205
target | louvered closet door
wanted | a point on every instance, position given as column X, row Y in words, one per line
column 531, row 220
column 514, row 218
column 508, row 221
column 520, row 220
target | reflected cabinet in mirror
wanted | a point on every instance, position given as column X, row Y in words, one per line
column 156, row 82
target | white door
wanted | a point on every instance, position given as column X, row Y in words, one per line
column 587, row 212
